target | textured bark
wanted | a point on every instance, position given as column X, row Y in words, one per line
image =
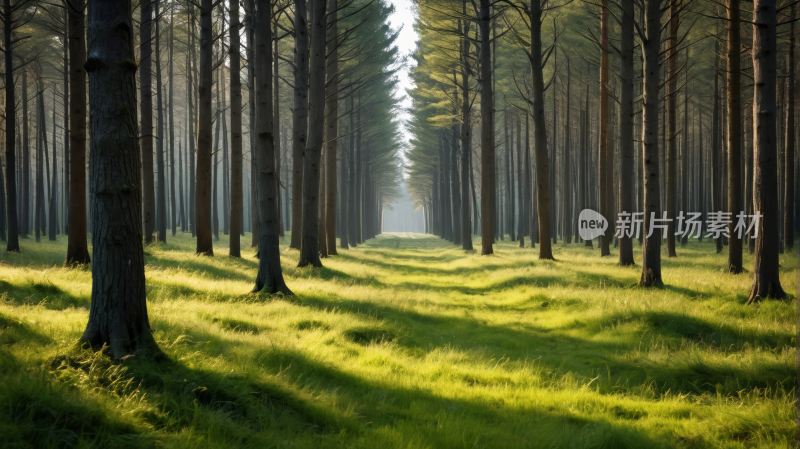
column 161, row 194
column 626, row 146
column 299, row 119
column 542, row 159
column 488, row 188
column 236, row 131
column 766, row 274
column 118, row 314
column 270, row 277
column 651, row 252
column 66, row 118
column 466, row 133
column 191, row 93
column 249, row 17
column 310, row 246
column 205, row 245
column 146, row 98
column 332, row 127
column 276, row 121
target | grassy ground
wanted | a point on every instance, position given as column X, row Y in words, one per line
column 404, row 342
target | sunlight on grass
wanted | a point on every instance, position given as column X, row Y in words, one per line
column 406, row 341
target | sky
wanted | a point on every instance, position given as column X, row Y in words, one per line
column 404, row 16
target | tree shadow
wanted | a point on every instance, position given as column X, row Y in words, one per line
column 44, row 293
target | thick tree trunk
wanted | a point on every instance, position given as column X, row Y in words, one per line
column 205, row 245
column 488, row 187
column 332, row 127
column 146, row 98
column 651, row 253
column 627, row 143
column 118, row 314
column 270, row 276
column 766, row 279
column 236, row 132
column 310, row 246
column 540, row 135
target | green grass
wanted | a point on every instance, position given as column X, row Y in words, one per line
column 404, row 342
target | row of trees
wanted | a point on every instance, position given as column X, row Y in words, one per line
column 525, row 113
column 169, row 150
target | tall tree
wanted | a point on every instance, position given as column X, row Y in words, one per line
column 488, row 178
column 146, row 98
column 171, row 112
column 734, row 134
column 299, row 118
column 205, row 244
column 789, row 141
column 626, row 117
column 236, row 130
column 605, row 160
column 766, row 272
column 310, row 247
column 161, row 195
column 650, row 38
column 332, row 125
column 118, row 314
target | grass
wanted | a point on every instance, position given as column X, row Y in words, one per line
column 404, row 342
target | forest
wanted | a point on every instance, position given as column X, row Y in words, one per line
column 399, row 223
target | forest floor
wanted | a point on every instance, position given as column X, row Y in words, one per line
column 404, row 342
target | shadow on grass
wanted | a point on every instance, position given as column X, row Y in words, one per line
column 562, row 352
column 42, row 293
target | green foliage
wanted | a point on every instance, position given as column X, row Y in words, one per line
column 405, row 341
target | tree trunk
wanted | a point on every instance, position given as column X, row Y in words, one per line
column 352, row 212
column 205, row 246
column 734, row 136
column 192, row 130
column 651, row 253
column 309, row 251
column 627, row 143
column 672, row 126
column 685, row 154
column 146, row 98
column 270, row 276
column 605, row 169
column 766, row 279
column 26, row 160
column 540, row 134
column 236, row 131
column 332, row 127
column 171, row 118
column 299, row 118
column 488, row 188
column 566, row 192
column 789, row 144
column 118, row 314
column 161, row 195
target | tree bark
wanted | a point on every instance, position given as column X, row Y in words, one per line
column 488, row 188
column 789, row 144
column 205, row 245
column 734, row 136
column 310, row 244
column 236, row 131
column 542, row 189
column 299, row 118
column 270, row 276
column 766, row 279
column 672, row 126
column 651, row 252
column 605, row 169
column 146, row 98
column 332, row 127
column 161, row 195
column 626, row 146
column 118, row 314
column 171, row 118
